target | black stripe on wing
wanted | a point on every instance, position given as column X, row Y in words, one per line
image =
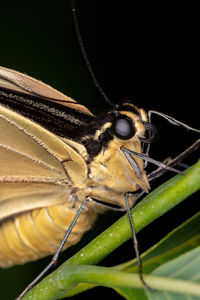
column 59, row 119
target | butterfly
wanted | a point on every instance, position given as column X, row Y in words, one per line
column 55, row 156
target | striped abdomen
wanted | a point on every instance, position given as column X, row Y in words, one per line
column 38, row 233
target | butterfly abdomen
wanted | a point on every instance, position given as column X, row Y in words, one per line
column 38, row 233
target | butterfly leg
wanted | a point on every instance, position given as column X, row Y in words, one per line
column 135, row 245
column 54, row 260
column 158, row 172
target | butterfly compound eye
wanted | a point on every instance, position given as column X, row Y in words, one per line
column 123, row 128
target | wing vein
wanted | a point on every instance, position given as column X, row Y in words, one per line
column 32, row 179
column 31, row 158
column 30, row 135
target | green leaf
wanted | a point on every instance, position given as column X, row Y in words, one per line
column 186, row 267
column 179, row 241
column 68, row 276
column 151, row 207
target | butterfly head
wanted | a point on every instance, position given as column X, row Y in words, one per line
column 126, row 126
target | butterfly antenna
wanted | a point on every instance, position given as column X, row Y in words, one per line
column 80, row 41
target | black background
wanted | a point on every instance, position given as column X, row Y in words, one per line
column 147, row 52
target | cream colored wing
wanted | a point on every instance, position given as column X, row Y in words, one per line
column 36, row 167
column 17, row 81
column 42, row 176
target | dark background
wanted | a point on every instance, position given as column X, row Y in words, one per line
column 146, row 52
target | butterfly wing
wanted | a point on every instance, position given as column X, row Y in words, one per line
column 19, row 82
column 38, row 175
column 35, row 165
column 62, row 116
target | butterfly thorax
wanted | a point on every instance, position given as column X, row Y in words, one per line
column 109, row 173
